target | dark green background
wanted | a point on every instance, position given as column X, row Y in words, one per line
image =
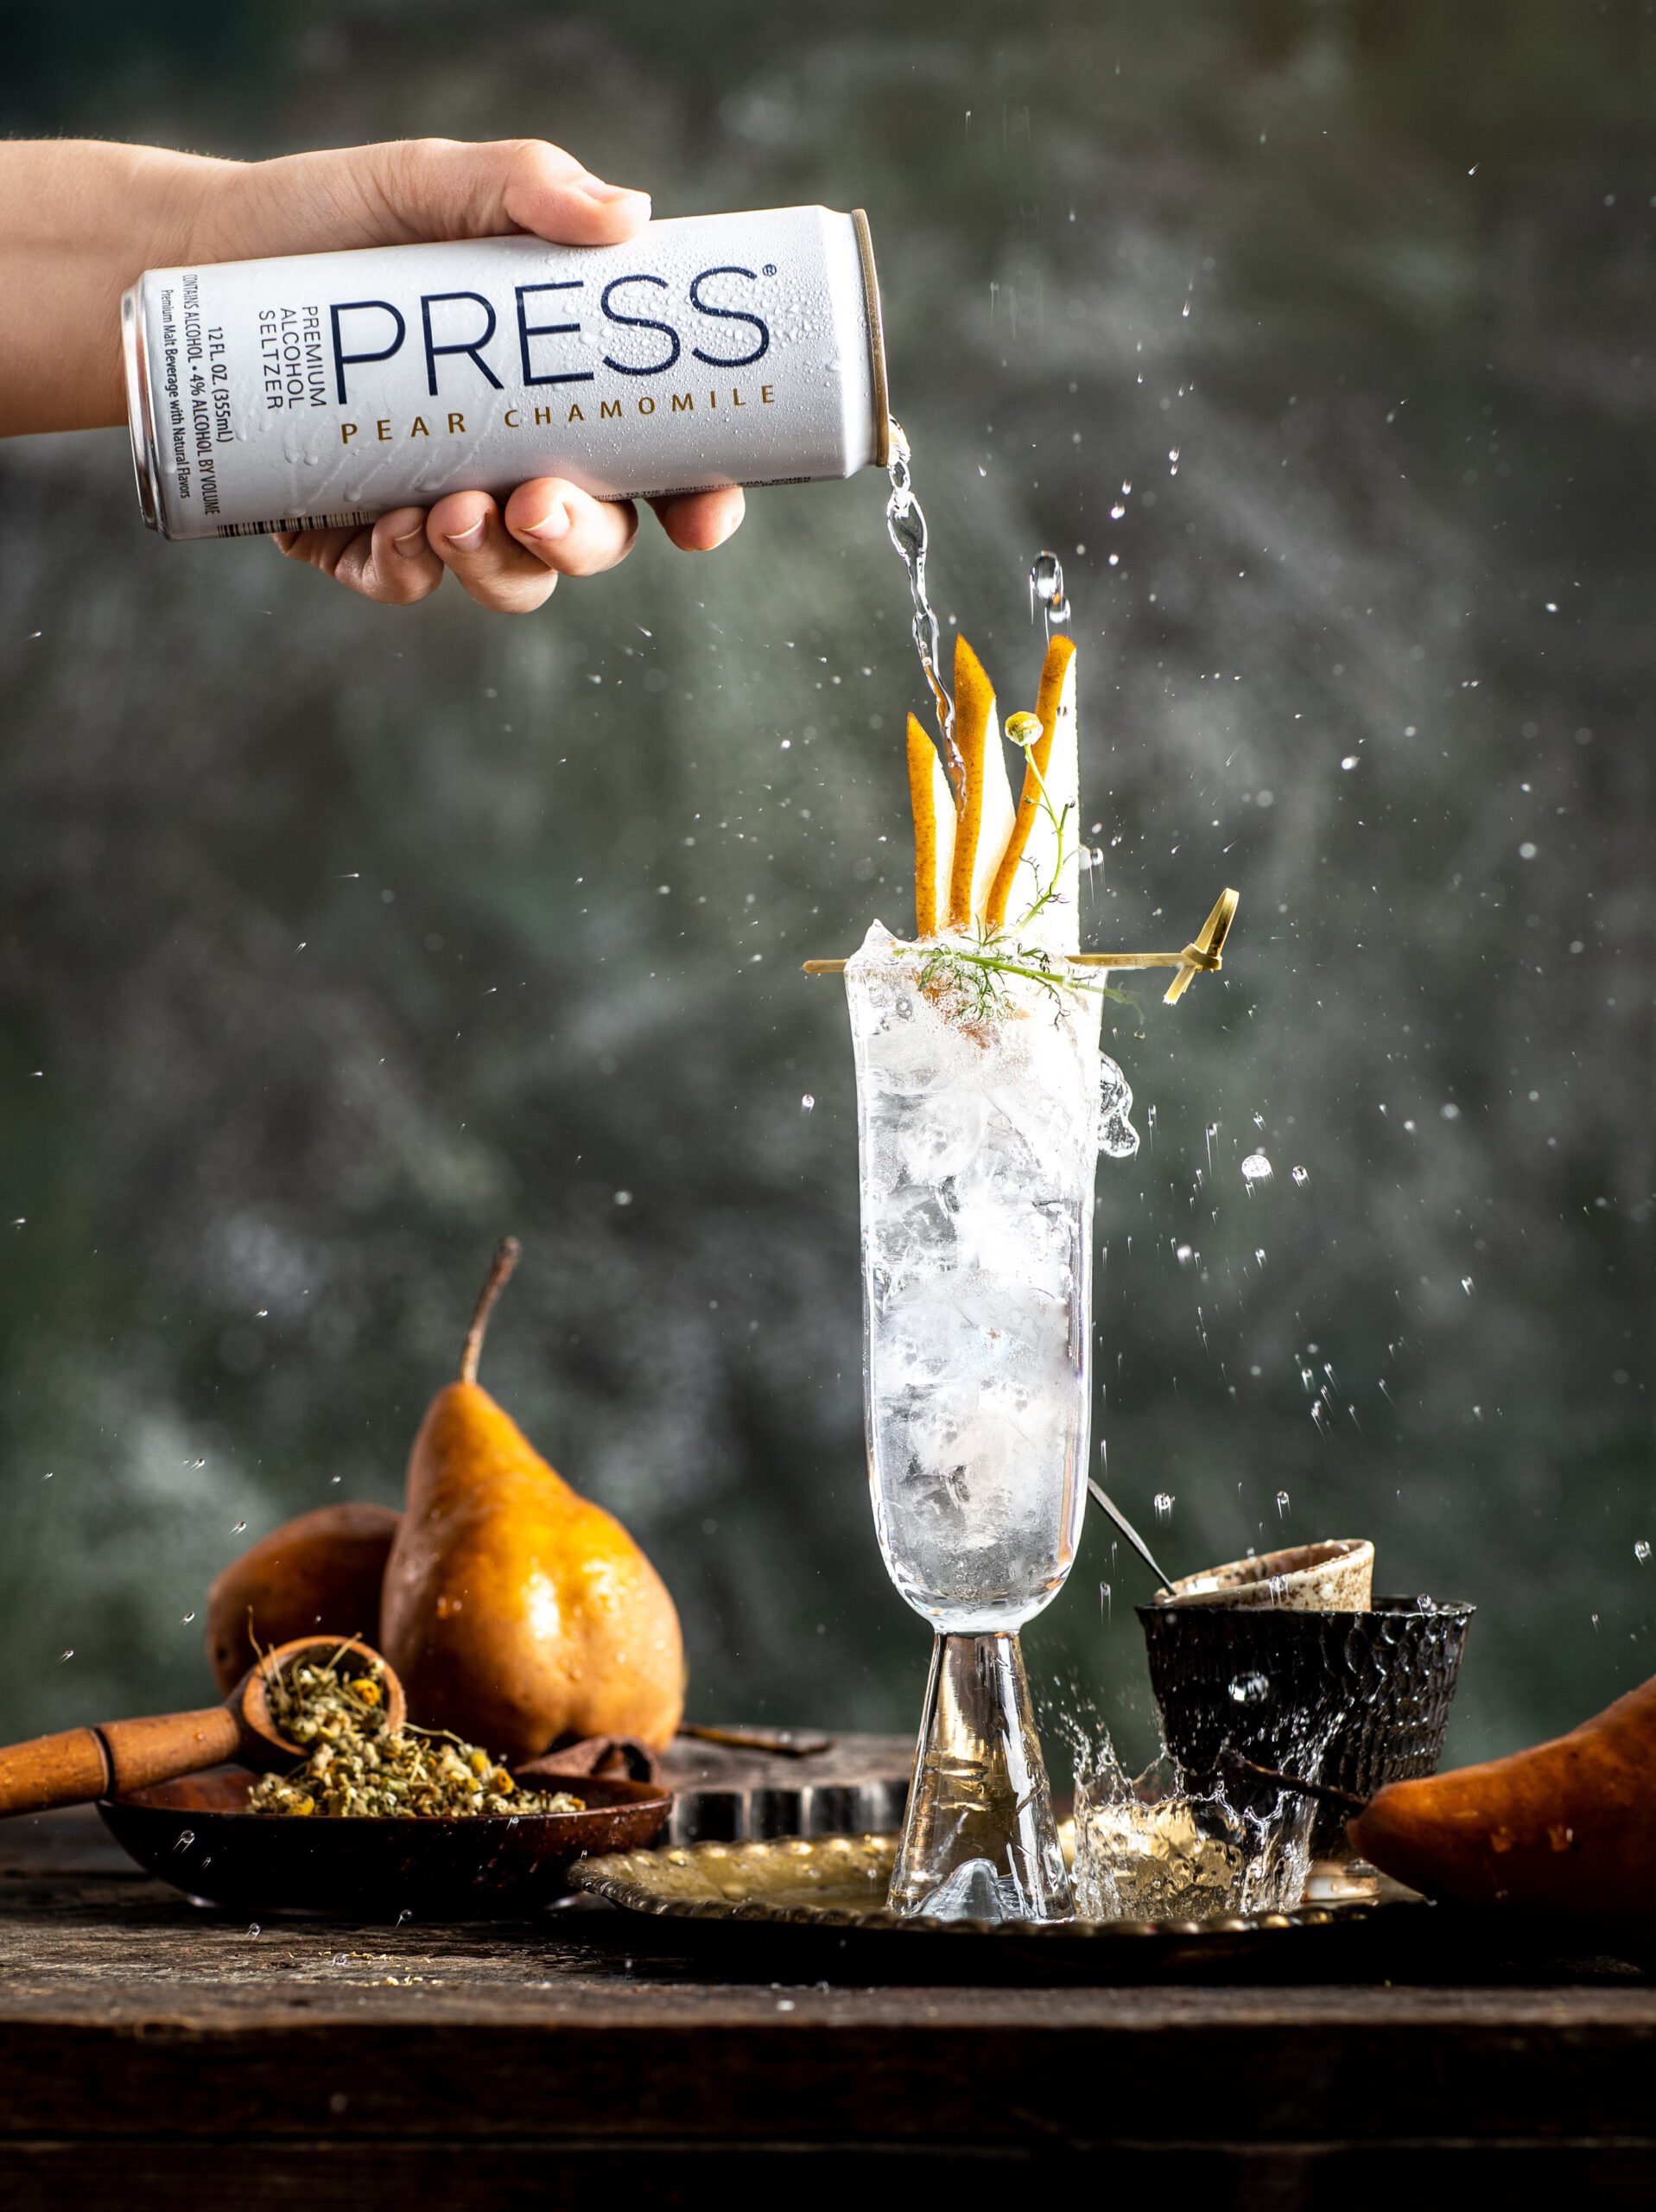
column 334, row 945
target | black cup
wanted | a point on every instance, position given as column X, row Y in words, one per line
column 1266, row 1681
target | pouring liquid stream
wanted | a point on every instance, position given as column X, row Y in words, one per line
column 905, row 521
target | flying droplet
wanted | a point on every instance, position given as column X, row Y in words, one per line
column 1256, row 1169
column 1282, row 1503
column 1465, row 1285
column 1117, row 1138
column 807, row 1104
column 1641, row 1551
column 1300, row 1176
column 1164, row 1504
column 1046, row 590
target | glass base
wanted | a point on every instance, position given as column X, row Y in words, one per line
column 980, row 1841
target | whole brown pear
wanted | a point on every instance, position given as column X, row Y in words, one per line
column 321, row 1571
column 1568, row 1827
column 515, row 1611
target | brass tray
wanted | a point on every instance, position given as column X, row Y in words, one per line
column 834, row 1887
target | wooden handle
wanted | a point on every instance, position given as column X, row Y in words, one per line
column 169, row 1744
column 86, row 1762
column 66, row 1770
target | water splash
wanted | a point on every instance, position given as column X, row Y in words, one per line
column 905, row 522
column 1117, row 1138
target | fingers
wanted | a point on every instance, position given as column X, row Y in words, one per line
column 509, row 562
column 697, row 521
column 570, row 530
column 392, row 563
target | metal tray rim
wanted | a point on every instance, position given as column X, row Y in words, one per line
column 604, row 1877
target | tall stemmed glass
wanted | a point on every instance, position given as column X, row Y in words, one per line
column 978, row 1144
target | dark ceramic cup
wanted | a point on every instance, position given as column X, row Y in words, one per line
column 1373, row 1688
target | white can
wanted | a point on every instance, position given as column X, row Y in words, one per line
column 329, row 388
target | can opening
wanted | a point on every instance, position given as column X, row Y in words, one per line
column 876, row 340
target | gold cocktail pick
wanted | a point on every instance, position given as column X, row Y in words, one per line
column 1203, row 956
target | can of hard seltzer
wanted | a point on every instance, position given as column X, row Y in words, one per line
column 327, row 388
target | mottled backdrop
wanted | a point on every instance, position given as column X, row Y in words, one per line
column 338, row 940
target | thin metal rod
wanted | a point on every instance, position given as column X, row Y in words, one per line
column 1324, row 1792
column 1103, row 1499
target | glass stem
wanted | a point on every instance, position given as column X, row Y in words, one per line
column 980, row 1841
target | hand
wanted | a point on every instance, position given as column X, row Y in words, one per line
column 79, row 220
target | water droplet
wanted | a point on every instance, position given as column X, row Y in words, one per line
column 1183, row 1254
column 69, row 1654
column 1104, row 1600
column 240, row 1528
column 1256, row 1169
column 1282, row 1503
column 253, row 1928
column 1300, row 1176
column 1249, row 1689
column 1259, row 1257
column 1117, row 1138
column 341, row 1958
column 1046, row 591
column 1164, row 1504
column 1465, row 1285
column 1502, row 1839
column 1640, row 1552
column 623, row 1198
column 188, row 1618
column 1259, row 1121
column 1349, row 762
column 807, row 1104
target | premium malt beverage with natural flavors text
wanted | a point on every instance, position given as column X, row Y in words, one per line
column 329, row 388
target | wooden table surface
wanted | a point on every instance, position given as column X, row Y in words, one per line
column 153, row 2053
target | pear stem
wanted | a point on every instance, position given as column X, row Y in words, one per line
column 500, row 1267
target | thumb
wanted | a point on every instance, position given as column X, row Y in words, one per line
column 404, row 191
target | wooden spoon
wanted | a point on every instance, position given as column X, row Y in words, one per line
column 82, row 1763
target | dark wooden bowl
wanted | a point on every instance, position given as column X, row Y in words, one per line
column 197, row 1834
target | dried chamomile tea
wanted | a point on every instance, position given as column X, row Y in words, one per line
column 357, row 1765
